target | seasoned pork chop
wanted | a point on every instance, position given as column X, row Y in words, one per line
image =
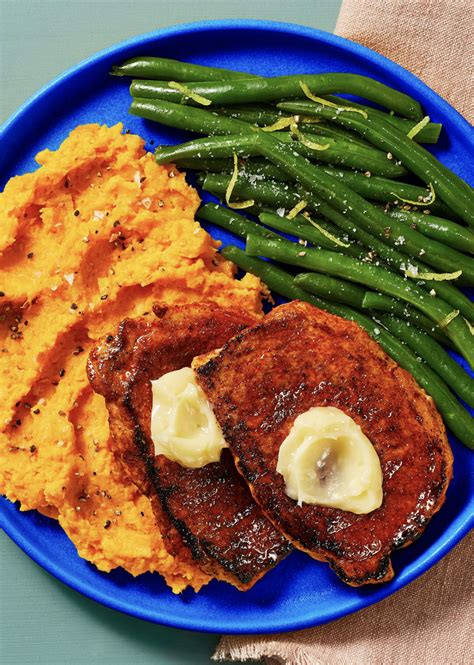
column 300, row 357
column 207, row 515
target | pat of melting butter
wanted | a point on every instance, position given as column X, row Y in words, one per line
column 183, row 426
column 327, row 460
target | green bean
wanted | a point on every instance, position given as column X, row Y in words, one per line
column 266, row 116
column 148, row 67
column 339, row 265
column 253, row 168
column 434, row 355
column 268, row 193
column 378, row 301
column 327, row 237
column 277, row 195
column 260, row 115
column 280, row 281
column 344, row 153
column 332, row 288
column 188, row 117
column 339, row 152
column 452, row 234
column 428, row 134
column 345, row 200
column 210, row 147
column 372, row 188
column 277, row 279
column 452, row 189
column 251, row 90
column 319, row 183
column 195, row 119
column 385, row 190
column 230, row 220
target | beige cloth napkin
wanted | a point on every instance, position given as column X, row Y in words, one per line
column 431, row 38
column 431, row 620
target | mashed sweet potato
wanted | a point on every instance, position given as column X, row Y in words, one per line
column 99, row 232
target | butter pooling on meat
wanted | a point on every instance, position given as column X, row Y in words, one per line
column 97, row 233
column 300, row 357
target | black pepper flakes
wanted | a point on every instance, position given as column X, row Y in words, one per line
column 73, row 306
column 30, row 255
column 32, row 449
column 2, row 294
column 76, row 213
column 104, row 297
column 116, row 223
column 36, row 411
column 109, row 339
column 62, row 372
column 107, row 524
column 78, row 350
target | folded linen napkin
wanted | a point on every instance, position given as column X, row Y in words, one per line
column 429, row 621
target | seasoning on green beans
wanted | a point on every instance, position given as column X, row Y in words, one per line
column 276, row 195
column 339, row 265
column 452, row 234
column 428, row 134
column 434, row 355
column 386, row 190
column 336, row 151
column 345, row 200
column 452, row 189
column 380, row 302
column 329, row 189
column 332, row 288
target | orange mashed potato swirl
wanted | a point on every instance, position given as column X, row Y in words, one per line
column 98, row 233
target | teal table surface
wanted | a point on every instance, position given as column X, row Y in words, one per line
column 41, row 620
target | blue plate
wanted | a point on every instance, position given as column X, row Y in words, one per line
column 300, row 592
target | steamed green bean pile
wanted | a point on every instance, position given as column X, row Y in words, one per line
column 371, row 225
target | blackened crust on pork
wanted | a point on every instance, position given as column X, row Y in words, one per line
column 207, row 516
column 299, row 357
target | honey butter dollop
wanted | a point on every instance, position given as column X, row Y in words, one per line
column 183, row 426
column 327, row 460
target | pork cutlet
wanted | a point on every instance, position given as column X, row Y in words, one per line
column 207, row 515
column 299, row 357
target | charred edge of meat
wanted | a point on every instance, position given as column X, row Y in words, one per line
column 384, row 573
column 140, row 440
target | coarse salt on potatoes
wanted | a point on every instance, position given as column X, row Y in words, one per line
column 98, row 233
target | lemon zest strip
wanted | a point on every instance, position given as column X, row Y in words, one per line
column 199, row 99
column 301, row 205
column 418, row 127
column 335, row 240
column 230, row 188
column 325, row 102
